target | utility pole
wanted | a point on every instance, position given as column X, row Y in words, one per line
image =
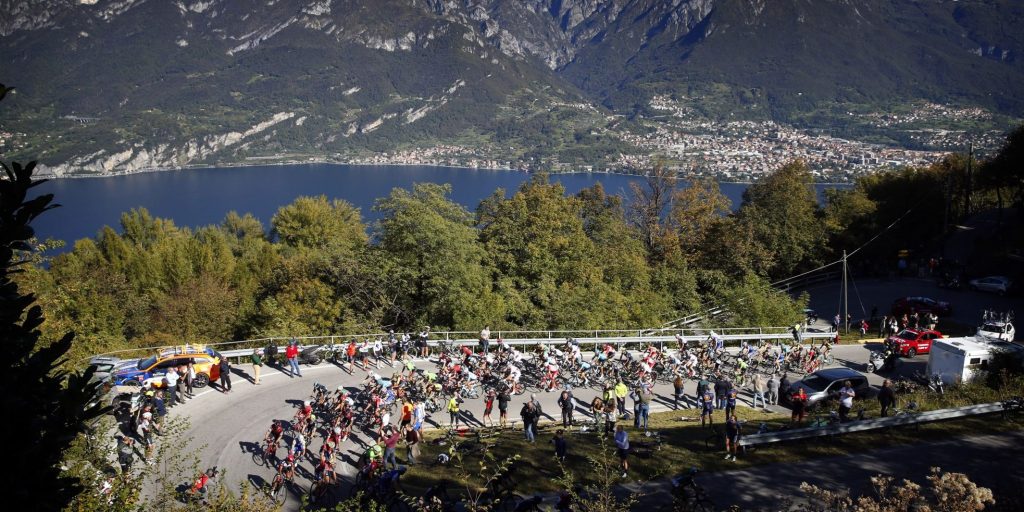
column 970, row 179
column 846, row 297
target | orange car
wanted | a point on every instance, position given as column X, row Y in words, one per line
column 152, row 369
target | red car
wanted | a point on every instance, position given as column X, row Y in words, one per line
column 910, row 342
column 920, row 305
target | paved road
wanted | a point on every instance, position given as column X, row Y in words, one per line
column 231, row 425
column 967, row 305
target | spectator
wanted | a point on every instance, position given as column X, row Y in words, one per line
column 125, row 453
column 406, row 417
column 419, row 413
column 412, row 444
column 622, row 445
column 635, row 396
column 292, row 353
column 722, row 387
column 567, row 405
column 190, row 377
column 257, row 364
column 610, row 417
column 225, row 375
column 453, row 411
column 390, row 437
column 702, row 387
column 503, row 400
column 759, row 389
column 677, row 388
column 886, row 397
column 485, row 339
column 799, row 400
column 773, row 389
column 561, row 447
column 529, row 415
column 620, row 396
column 707, row 409
column 730, row 402
column 171, row 383
column 846, row 394
column 645, row 405
column 732, row 436
column 538, row 409
column 784, row 384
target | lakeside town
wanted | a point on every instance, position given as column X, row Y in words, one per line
column 683, row 140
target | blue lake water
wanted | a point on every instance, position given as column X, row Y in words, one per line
column 199, row 197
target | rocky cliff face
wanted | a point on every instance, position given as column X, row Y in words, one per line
column 154, row 78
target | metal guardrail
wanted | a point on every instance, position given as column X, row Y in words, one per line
column 242, row 348
column 872, row 424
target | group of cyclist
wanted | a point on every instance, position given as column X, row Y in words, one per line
column 495, row 373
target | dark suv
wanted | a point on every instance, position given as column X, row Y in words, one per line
column 825, row 383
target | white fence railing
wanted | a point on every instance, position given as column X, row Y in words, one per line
column 587, row 339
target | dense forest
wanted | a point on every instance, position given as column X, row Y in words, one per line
column 534, row 258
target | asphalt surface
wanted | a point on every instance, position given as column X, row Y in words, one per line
column 229, row 427
column 968, row 305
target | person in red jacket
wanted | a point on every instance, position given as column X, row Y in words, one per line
column 292, row 353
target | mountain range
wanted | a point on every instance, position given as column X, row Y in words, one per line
column 110, row 86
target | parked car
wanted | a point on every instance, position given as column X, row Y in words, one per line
column 822, row 384
column 104, row 367
column 911, row 342
column 1001, row 331
column 152, row 369
column 920, row 305
column 995, row 284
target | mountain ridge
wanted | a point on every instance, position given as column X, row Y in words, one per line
column 171, row 84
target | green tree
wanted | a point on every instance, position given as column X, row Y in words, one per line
column 316, row 223
column 434, row 241
column 51, row 403
column 782, row 211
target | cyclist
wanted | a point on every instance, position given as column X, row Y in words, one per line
column 298, row 446
column 274, row 433
column 325, row 470
column 286, row 468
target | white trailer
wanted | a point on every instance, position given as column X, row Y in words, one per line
column 957, row 360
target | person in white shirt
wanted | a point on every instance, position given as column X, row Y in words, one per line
column 846, row 395
column 485, row 339
column 171, row 379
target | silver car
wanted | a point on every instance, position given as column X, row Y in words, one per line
column 996, row 284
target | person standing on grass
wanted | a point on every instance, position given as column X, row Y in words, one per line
column 529, row 416
column 846, row 394
column 622, row 447
column 799, row 400
column 721, row 389
column 503, row 400
column 567, row 405
column 730, row 403
column 488, row 407
column 645, row 405
column 412, row 444
column 561, row 447
column 610, row 417
column 886, row 397
column 772, row 388
column 677, row 388
column 419, row 413
column 390, row 437
column 621, row 391
column 759, row 388
column 707, row 409
column 732, row 437
column 257, row 364
column 453, row 411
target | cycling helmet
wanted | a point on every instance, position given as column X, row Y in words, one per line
column 341, row 388
column 337, row 430
column 305, row 403
column 147, row 415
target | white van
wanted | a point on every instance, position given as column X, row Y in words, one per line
column 958, row 360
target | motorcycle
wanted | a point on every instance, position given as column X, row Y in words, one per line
column 311, row 355
column 876, row 361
